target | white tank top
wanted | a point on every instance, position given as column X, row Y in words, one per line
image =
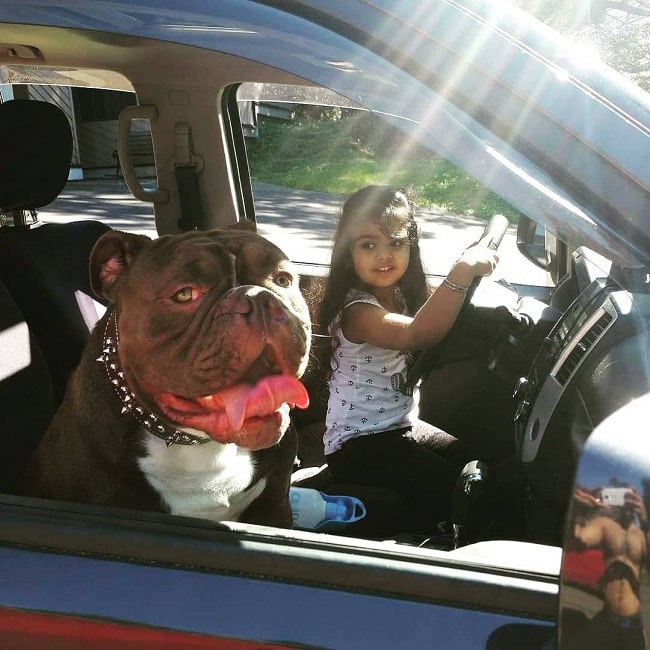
column 368, row 392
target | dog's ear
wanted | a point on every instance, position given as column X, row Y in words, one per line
column 110, row 256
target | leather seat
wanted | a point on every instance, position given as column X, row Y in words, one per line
column 26, row 397
column 46, row 271
column 46, row 304
column 36, row 152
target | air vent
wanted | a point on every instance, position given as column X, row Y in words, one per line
column 581, row 348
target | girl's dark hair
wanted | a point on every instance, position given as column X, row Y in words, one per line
column 393, row 211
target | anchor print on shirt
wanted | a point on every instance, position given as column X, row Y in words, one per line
column 398, row 380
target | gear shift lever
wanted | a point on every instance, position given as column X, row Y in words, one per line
column 470, row 492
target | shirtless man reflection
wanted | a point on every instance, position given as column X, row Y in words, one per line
column 620, row 530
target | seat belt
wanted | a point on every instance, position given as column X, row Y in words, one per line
column 187, row 166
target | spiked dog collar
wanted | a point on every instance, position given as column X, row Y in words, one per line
column 130, row 404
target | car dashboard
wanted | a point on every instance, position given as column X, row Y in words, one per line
column 593, row 361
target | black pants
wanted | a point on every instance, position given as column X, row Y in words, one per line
column 421, row 463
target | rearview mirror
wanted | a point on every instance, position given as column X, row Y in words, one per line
column 604, row 587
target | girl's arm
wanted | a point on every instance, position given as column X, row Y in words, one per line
column 363, row 322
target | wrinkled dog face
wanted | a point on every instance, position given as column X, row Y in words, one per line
column 214, row 332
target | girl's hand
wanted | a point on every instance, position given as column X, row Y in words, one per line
column 475, row 261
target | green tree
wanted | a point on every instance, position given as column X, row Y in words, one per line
column 619, row 29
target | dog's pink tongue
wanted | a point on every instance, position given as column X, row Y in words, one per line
column 267, row 396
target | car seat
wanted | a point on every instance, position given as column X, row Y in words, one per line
column 45, row 267
column 26, row 397
column 46, row 271
column 46, row 304
column 36, row 152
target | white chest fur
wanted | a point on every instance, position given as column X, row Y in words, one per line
column 211, row 481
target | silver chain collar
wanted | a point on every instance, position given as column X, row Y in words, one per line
column 130, row 404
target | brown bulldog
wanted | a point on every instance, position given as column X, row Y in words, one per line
column 181, row 400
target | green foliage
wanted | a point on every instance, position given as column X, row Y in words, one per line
column 339, row 151
column 618, row 29
column 626, row 48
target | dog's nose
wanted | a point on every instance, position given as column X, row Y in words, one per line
column 240, row 303
column 255, row 301
column 273, row 308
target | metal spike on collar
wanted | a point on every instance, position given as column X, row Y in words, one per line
column 130, row 403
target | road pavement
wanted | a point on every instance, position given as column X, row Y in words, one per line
column 301, row 222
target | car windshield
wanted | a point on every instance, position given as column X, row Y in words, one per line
column 462, row 123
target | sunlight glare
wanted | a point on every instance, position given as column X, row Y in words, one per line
column 521, row 173
column 90, row 309
column 582, row 55
column 16, row 354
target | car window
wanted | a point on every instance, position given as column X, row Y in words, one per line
column 307, row 153
column 308, row 148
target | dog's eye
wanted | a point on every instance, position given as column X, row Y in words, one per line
column 284, row 280
column 186, row 294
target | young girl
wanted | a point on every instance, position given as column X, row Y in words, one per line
column 379, row 310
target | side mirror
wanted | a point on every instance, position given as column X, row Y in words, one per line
column 531, row 242
column 604, row 585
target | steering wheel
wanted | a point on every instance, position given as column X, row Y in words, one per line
column 490, row 238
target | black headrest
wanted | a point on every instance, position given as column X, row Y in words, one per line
column 36, row 145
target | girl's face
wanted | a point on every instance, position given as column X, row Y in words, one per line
column 379, row 261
